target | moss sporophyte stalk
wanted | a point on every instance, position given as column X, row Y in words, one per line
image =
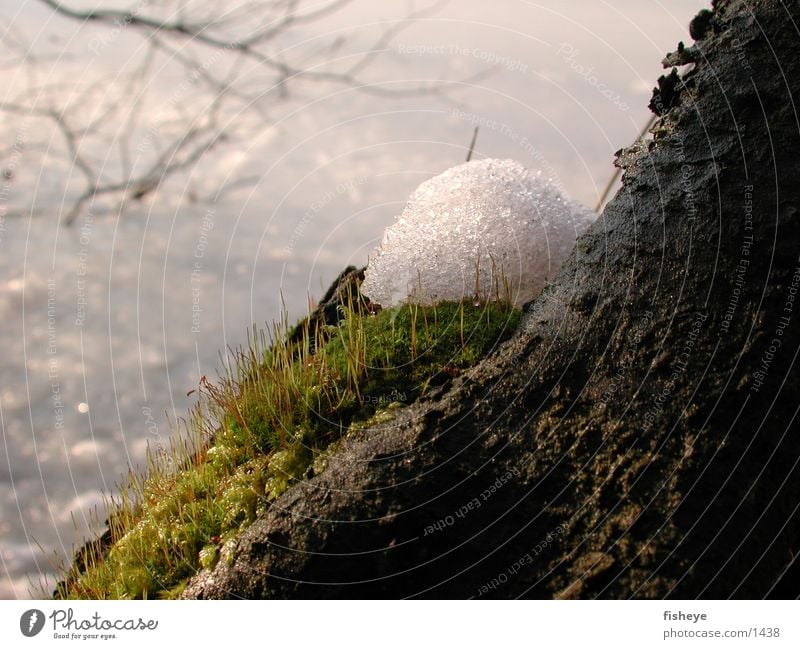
column 272, row 419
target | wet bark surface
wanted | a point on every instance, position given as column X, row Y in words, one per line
column 638, row 437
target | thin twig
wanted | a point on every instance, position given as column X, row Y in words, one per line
column 472, row 144
column 87, row 117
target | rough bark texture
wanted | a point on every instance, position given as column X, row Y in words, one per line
column 636, row 438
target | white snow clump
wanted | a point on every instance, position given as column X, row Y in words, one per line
column 472, row 231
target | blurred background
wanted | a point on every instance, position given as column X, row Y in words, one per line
column 174, row 171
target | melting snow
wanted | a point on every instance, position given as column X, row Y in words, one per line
column 466, row 229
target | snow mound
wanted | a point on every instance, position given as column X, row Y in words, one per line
column 487, row 229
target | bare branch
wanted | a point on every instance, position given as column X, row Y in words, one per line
column 125, row 140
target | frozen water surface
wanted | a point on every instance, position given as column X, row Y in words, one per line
column 483, row 227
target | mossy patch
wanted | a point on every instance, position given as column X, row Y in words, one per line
column 271, row 420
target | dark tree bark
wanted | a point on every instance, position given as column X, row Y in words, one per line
column 637, row 438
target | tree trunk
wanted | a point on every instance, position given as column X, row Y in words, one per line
column 637, row 437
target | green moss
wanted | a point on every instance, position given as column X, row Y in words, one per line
column 286, row 466
column 274, row 418
column 209, row 556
